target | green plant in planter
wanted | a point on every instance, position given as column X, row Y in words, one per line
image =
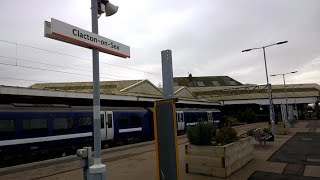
column 281, row 124
column 201, row 133
column 231, row 120
column 267, row 130
column 225, row 135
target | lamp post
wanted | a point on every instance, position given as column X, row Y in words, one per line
column 271, row 110
column 295, row 102
column 98, row 170
column 285, row 90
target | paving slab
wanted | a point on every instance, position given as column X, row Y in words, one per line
column 312, row 171
column 294, row 169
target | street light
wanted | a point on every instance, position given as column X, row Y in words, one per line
column 272, row 118
column 285, row 90
column 98, row 170
column 295, row 102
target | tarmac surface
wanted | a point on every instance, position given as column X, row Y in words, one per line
column 301, row 153
column 275, row 176
column 292, row 156
column 303, row 149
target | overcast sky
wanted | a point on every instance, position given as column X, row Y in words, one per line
column 206, row 38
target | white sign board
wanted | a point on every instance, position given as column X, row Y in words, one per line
column 67, row 33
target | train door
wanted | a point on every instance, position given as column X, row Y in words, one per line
column 210, row 118
column 103, row 125
column 109, row 125
column 180, row 120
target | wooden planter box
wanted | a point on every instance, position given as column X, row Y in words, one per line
column 281, row 130
column 219, row 161
column 272, row 137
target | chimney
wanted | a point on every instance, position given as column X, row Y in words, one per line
column 190, row 80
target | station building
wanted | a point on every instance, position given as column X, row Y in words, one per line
column 233, row 97
column 241, row 99
column 131, row 93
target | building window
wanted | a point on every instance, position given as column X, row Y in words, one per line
column 215, row 83
column 62, row 123
column 232, row 83
column 200, row 83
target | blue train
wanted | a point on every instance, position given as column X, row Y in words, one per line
column 26, row 128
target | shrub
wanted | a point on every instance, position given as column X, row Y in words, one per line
column 201, row 133
column 267, row 130
column 232, row 120
column 280, row 123
column 225, row 136
column 247, row 115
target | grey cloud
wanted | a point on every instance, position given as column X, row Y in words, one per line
column 206, row 37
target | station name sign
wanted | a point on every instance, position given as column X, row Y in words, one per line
column 62, row 31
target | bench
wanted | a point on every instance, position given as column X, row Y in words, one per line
column 248, row 133
column 260, row 136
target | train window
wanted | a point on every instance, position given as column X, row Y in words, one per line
column 123, row 122
column 109, row 120
column 136, row 121
column 33, row 125
column 7, row 127
column 85, row 123
column 102, row 120
column 62, row 123
column 196, row 117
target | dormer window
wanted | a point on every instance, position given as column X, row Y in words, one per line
column 232, row 83
column 215, row 83
column 200, row 83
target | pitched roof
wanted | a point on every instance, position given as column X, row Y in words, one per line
column 205, row 81
column 257, row 91
column 144, row 87
column 140, row 82
column 106, row 87
column 189, row 94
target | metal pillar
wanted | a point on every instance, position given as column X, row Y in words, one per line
column 295, row 102
column 285, row 93
column 271, row 110
column 167, row 74
column 168, row 160
column 97, row 170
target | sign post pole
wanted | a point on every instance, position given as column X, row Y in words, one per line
column 165, row 126
column 64, row 32
column 167, row 74
column 97, row 170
